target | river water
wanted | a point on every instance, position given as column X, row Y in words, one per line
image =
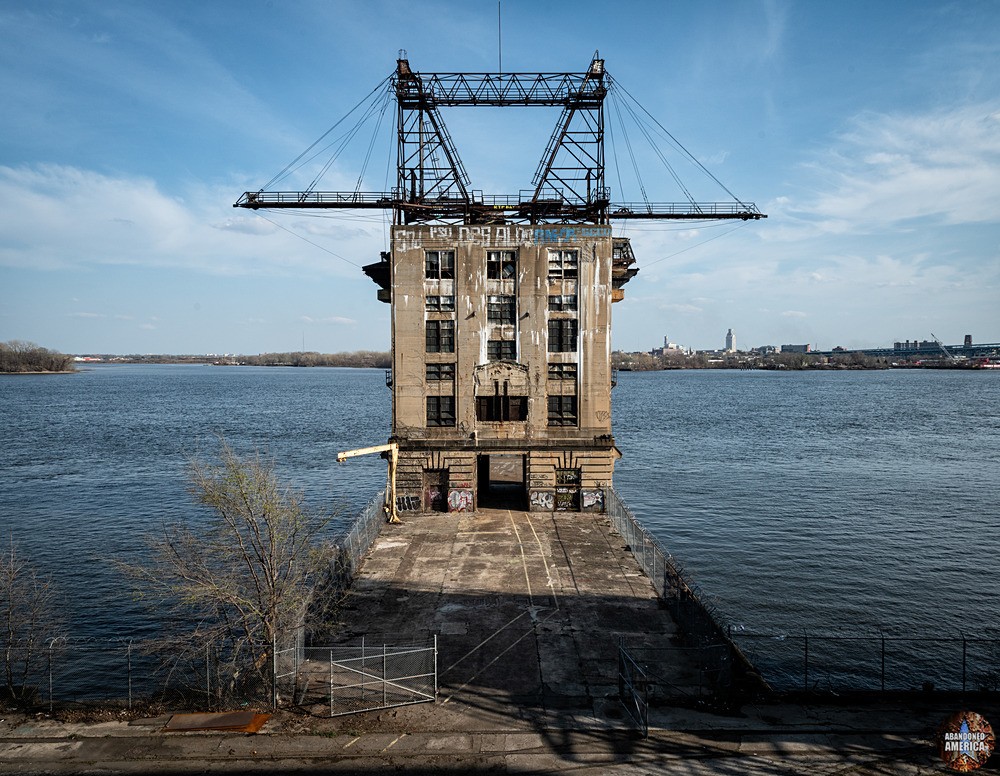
column 800, row 501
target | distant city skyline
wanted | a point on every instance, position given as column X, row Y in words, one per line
column 870, row 137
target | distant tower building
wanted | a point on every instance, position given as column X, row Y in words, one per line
column 968, row 340
column 730, row 342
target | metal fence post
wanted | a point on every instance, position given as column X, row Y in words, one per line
column 51, row 645
column 128, row 658
column 435, row 665
column 883, row 663
column 208, row 676
column 383, row 675
column 274, row 672
column 964, row 654
column 806, row 673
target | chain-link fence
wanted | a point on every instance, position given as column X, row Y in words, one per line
column 350, row 678
column 133, row 671
column 879, row 662
column 727, row 668
column 839, row 663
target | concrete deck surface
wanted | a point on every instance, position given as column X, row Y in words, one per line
column 528, row 608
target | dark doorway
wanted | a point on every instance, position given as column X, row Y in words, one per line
column 500, row 481
column 436, row 490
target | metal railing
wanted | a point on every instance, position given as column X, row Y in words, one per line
column 839, row 663
column 692, row 614
column 805, row 661
column 348, row 679
column 633, row 689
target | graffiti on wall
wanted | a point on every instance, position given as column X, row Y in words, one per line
column 593, row 500
column 408, row 239
column 404, row 503
column 542, row 501
column 460, row 501
column 568, row 233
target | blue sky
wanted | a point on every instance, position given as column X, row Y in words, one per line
column 869, row 132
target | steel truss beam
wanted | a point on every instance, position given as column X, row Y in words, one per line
column 432, row 184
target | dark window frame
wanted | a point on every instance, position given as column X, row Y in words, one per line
column 561, row 371
column 501, row 350
column 501, row 265
column 501, row 308
column 440, row 304
column 562, row 411
column 563, row 335
column 440, row 411
column 562, row 303
column 440, row 372
column 439, row 265
column 501, row 409
column 564, row 264
column 439, row 336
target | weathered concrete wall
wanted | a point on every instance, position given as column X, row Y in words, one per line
column 506, row 360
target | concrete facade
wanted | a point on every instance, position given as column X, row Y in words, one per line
column 501, row 375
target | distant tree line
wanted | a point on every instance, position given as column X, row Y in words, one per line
column 358, row 359
column 17, row 356
column 644, row 362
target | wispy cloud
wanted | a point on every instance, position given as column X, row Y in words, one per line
column 894, row 171
column 57, row 217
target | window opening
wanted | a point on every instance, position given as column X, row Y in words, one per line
column 562, row 371
column 444, row 304
column 501, row 309
column 436, row 372
column 440, row 410
column 440, row 336
column 439, row 265
column 501, row 265
column 501, row 350
column 562, row 302
column 562, row 335
column 562, row 410
column 563, row 264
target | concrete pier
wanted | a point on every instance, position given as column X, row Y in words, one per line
column 528, row 606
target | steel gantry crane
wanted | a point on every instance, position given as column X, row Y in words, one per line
column 432, row 184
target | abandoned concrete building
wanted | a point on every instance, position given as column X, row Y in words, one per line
column 501, row 352
column 501, row 305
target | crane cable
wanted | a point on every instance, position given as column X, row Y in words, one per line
column 294, row 164
column 677, row 144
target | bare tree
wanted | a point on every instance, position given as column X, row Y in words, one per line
column 28, row 609
column 241, row 578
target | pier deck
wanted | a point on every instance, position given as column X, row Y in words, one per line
column 528, row 607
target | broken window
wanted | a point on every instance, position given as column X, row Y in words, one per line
column 501, row 406
column 440, row 410
column 562, row 371
column 501, row 265
column 439, row 265
column 562, row 302
column 440, row 336
column 563, row 264
column 444, row 304
column 562, row 410
column 436, row 372
column 501, row 309
column 562, row 335
column 501, row 350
